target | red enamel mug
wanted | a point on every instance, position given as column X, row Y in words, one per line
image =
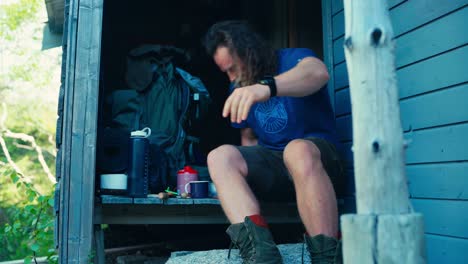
column 184, row 176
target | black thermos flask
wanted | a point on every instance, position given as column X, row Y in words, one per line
column 138, row 159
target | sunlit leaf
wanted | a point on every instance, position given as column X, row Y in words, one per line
column 14, row 177
column 35, row 247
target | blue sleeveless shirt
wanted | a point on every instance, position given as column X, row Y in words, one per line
column 281, row 119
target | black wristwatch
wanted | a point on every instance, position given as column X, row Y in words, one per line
column 270, row 81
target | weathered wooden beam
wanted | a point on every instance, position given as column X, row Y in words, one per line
column 357, row 232
column 327, row 28
column 383, row 238
column 82, row 97
column 64, row 160
column 133, row 214
column 99, row 256
column 377, row 134
column 385, row 229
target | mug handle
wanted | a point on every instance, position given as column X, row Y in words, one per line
column 185, row 187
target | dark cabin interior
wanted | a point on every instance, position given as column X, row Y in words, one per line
column 183, row 23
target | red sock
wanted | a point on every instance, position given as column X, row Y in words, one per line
column 258, row 220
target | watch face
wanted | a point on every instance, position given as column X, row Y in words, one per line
column 270, row 82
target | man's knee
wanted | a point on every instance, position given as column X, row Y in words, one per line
column 302, row 157
column 225, row 158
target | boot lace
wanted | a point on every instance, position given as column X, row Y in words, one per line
column 247, row 251
column 231, row 245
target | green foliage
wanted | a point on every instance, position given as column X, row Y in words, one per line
column 23, row 73
column 26, row 207
column 29, row 230
column 13, row 15
column 26, row 88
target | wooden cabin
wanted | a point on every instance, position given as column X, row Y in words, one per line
column 431, row 60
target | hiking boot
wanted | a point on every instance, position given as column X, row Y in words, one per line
column 255, row 243
column 324, row 249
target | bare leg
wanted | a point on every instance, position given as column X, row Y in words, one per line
column 316, row 199
column 228, row 170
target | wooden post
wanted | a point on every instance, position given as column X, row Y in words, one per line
column 78, row 148
column 385, row 230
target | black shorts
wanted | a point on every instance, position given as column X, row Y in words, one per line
column 269, row 178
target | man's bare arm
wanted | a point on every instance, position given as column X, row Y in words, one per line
column 306, row 78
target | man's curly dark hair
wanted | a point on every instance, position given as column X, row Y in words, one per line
column 258, row 56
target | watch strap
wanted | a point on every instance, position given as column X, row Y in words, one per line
column 271, row 83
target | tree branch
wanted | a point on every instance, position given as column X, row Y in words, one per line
column 10, row 161
column 4, row 116
column 51, row 140
column 40, row 156
column 23, row 137
column 21, row 146
column 35, row 228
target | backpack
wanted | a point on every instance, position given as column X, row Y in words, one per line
column 166, row 99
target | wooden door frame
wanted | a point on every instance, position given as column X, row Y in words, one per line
column 327, row 24
column 76, row 162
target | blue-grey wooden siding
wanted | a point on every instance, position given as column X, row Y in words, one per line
column 432, row 73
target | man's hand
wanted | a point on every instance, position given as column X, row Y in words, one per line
column 241, row 100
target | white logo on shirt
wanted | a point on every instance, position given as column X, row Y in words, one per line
column 272, row 115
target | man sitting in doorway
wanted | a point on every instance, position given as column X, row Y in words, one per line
column 288, row 140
